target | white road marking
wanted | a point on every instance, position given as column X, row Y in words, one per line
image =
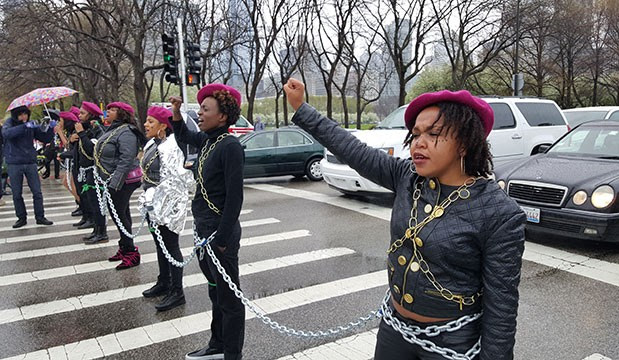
column 115, row 343
column 597, row 356
column 357, row 347
column 577, row 264
column 133, row 292
column 54, row 273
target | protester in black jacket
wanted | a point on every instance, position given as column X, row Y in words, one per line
column 456, row 238
column 88, row 134
column 217, row 207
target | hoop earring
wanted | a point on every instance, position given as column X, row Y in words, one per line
column 462, row 165
column 159, row 136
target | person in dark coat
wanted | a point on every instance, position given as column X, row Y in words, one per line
column 89, row 113
column 217, row 207
column 19, row 132
column 115, row 155
column 457, row 239
column 3, row 174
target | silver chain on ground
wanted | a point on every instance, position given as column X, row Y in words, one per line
column 282, row 329
column 410, row 333
column 198, row 246
column 108, row 197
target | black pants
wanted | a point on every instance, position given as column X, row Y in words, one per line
column 390, row 344
column 92, row 200
column 48, row 162
column 168, row 273
column 79, row 185
column 228, row 324
column 120, row 199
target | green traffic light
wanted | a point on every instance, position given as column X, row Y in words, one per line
column 167, row 58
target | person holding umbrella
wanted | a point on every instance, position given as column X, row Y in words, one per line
column 19, row 132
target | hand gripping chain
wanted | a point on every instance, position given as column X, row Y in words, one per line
column 103, row 184
column 410, row 332
column 198, row 246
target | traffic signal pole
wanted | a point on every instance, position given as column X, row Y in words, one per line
column 181, row 70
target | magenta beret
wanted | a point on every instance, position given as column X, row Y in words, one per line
column 162, row 115
column 91, row 108
column 209, row 89
column 68, row 115
column 483, row 110
column 121, row 105
column 75, row 111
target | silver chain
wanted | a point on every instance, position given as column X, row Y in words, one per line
column 410, row 333
column 282, row 329
column 81, row 177
column 198, row 246
column 108, row 197
column 67, row 163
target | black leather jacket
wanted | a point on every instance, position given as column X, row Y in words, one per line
column 474, row 248
column 119, row 155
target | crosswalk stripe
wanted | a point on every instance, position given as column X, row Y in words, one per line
column 116, row 343
column 111, row 296
column 577, row 264
column 34, row 237
column 51, row 210
column 81, row 247
column 357, row 347
column 54, row 273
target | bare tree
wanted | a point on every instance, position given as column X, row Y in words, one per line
column 474, row 33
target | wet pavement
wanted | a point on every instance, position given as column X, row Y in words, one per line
column 62, row 300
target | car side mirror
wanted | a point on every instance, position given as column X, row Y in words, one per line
column 542, row 149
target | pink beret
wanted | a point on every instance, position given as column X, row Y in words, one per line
column 209, row 89
column 162, row 115
column 91, row 108
column 121, row 105
column 75, row 111
column 483, row 110
column 68, row 115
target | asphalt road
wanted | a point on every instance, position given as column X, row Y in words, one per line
column 311, row 258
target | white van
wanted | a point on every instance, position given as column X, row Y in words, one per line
column 521, row 125
column 578, row 116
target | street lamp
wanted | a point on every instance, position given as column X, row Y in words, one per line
column 518, row 78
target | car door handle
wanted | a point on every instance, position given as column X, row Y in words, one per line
column 516, row 136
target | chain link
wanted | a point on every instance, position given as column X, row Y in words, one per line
column 203, row 155
column 67, row 164
column 103, row 184
column 97, row 157
column 83, row 151
column 410, row 333
column 197, row 247
column 147, row 166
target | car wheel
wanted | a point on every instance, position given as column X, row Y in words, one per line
column 313, row 170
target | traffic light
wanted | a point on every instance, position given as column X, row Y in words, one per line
column 194, row 65
column 169, row 58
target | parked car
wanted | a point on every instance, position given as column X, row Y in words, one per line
column 283, row 151
column 572, row 188
column 521, row 126
column 578, row 116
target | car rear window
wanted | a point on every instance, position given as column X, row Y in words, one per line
column 578, row 117
column 541, row 114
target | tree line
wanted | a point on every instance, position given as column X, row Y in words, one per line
column 370, row 51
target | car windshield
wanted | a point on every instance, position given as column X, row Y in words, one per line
column 395, row 120
column 600, row 141
column 578, row 117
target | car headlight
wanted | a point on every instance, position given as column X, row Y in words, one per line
column 580, row 197
column 501, row 184
column 388, row 150
column 602, row 196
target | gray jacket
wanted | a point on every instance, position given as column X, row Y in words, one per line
column 119, row 154
column 474, row 249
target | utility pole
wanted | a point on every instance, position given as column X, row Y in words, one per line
column 518, row 78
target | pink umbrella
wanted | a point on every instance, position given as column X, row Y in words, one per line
column 41, row 96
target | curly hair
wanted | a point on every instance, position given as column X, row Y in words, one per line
column 125, row 117
column 468, row 131
column 227, row 105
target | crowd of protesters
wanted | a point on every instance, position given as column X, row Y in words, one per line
column 448, row 176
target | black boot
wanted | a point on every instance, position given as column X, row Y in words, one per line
column 19, row 223
column 158, row 289
column 92, row 234
column 81, row 222
column 78, row 211
column 175, row 298
column 100, row 236
column 87, row 224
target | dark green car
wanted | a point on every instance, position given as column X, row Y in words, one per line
column 284, row 151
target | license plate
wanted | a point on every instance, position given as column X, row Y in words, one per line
column 533, row 214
